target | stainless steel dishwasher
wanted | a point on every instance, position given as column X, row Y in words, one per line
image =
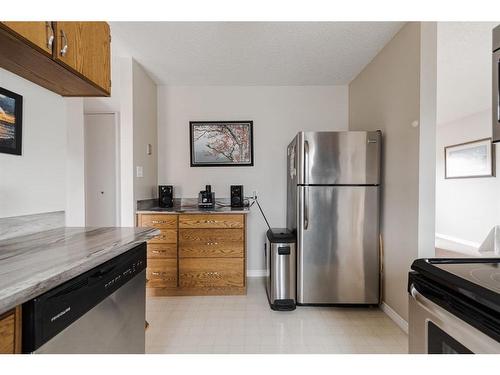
column 101, row 311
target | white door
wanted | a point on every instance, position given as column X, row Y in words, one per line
column 101, row 170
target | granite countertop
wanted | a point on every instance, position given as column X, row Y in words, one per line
column 33, row 264
column 189, row 206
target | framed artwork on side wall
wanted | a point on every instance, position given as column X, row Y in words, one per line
column 470, row 159
column 221, row 143
column 11, row 122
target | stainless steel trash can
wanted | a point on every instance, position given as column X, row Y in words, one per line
column 281, row 269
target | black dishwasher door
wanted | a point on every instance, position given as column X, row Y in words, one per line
column 50, row 313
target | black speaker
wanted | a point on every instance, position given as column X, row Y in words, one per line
column 236, row 195
column 166, row 196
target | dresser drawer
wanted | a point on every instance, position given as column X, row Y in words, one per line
column 165, row 236
column 164, row 250
column 158, row 221
column 161, row 273
column 211, row 272
column 211, row 221
column 204, row 243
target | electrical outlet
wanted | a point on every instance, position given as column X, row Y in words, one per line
column 139, row 172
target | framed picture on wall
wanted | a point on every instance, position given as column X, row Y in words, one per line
column 221, row 143
column 11, row 124
column 470, row 159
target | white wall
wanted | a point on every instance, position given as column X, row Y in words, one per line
column 75, row 163
column 145, row 132
column 278, row 114
column 35, row 182
column 133, row 99
column 427, row 140
column 386, row 96
column 466, row 209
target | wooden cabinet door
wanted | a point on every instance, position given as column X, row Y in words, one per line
column 40, row 34
column 10, row 332
column 85, row 47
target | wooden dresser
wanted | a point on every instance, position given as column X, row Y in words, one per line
column 196, row 253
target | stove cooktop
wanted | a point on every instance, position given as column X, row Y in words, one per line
column 485, row 275
column 475, row 278
column 469, row 288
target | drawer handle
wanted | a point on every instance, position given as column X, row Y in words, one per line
column 158, row 251
column 162, row 237
column 159, row 222
column 156, row 273
column 212, row 243
column 213, row 275
column 210, row 221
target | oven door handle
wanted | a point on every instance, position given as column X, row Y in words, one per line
column 426, row 303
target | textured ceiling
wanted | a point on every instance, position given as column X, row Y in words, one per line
column 254, row 53
column 463, row 69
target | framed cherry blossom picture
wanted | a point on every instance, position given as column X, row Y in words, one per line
column 221, row 143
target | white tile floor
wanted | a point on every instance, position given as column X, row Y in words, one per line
column 246, row 324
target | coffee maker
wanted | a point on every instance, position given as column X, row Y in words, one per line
column 206, row 198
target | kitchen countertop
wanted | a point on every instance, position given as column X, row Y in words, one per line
column 189, row 206
column 33, row 264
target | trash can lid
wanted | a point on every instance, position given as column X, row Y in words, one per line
column 280, row 235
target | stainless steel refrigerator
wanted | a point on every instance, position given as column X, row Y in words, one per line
column 333, row 206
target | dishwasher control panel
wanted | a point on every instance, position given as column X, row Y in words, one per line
column 134, row 268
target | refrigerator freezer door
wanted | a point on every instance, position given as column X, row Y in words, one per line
column 338, row 245
column 338, row 158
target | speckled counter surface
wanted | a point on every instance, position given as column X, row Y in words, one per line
column 33, row 264
column 189, row 206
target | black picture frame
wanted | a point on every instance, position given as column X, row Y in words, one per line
column 197, row 163
column 18, row 124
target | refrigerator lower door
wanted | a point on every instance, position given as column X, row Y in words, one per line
column 338, row 245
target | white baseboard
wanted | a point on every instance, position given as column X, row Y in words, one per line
column 458, row 240
column 395, row 317
column 256, row 273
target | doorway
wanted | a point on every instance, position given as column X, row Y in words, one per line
column 102, row 187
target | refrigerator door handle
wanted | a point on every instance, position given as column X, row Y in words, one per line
column 306, row 162
column 306, row 207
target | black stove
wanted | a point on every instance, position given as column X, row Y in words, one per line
column 468, row 288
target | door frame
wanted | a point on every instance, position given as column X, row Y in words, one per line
column 117, row 162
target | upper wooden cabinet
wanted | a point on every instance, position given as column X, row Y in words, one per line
column 69, row 58
column 40, row 34
column 85, row 47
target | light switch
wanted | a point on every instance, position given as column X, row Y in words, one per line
column 139, row 171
